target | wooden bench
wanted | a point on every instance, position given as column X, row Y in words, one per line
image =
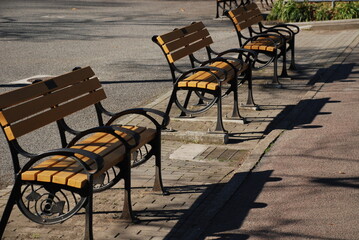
column 53, row 186
column 270, row 43
column 209, row 76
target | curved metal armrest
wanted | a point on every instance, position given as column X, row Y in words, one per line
column 143, row 112
column 21, row 151
column 69, row 152
column 242, row 51
column 287, row 26
column 67, row 128
column 279, row 31
column 212, row 51
column 110, row 130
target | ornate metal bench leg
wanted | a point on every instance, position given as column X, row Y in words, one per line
column 170, row 103
column 219, row 125
column 127, row 206
column 14, row 195
column 235, row 113
column 284, row 67
column 89, row 216
column 158, row 184
column 250, row 100
column 275, row 80
column 292, row 60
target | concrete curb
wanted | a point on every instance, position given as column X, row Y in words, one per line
column 330, row 25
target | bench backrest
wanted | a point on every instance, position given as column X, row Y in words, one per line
column 184, row 41
column 29, row 108
column 245, row 16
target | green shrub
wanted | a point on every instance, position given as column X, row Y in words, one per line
column 346, row 10
column 323, row 12
column 291, row 11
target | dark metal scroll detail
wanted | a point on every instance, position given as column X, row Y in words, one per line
column 197, row 103
column 49, row 206
column 141, row 155
column 107, row 179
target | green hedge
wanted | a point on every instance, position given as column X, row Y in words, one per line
column 291, row 11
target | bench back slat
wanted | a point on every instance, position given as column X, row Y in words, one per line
column 38, row 89
column 30, row 124
column 245, row 16
column 184, row 41
column 29, row 108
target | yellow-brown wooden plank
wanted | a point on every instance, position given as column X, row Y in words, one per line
column 111, row 159
column 67, row 171
column 46, row 171
column 189, row 49
column 22, row 94
column 31, row 175
column 178, row 33
column 28, row 125
column 186, row 40
column 99, row 143
column 45, row 102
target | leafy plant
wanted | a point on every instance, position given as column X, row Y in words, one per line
column 346, row 10
column 291, row 11
column 323, row 12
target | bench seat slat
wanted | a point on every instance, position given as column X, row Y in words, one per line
column 66, row 171
column 42, row 119
column 111, row 159
column 44, row 174
column 206, row 80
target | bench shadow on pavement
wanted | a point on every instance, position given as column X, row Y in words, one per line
column 302, row 115
column 340, row 75
column 195, row 220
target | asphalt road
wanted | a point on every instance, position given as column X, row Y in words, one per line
column 113, row 37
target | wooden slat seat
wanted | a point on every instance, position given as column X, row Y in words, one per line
column 67, row 171
column 205, row 80
column 263, row 44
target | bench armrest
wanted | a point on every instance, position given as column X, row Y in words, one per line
column 110, row 130
column 69, row 152
column 249, row 54
column 290, row 27
column 144, row 112
column 279, row 31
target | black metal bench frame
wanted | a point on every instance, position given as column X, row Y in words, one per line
column 223, row 4
column 282, row 37
column 51, row 212
column 244, row 56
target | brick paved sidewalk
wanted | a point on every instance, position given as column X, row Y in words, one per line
column 199, row 181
